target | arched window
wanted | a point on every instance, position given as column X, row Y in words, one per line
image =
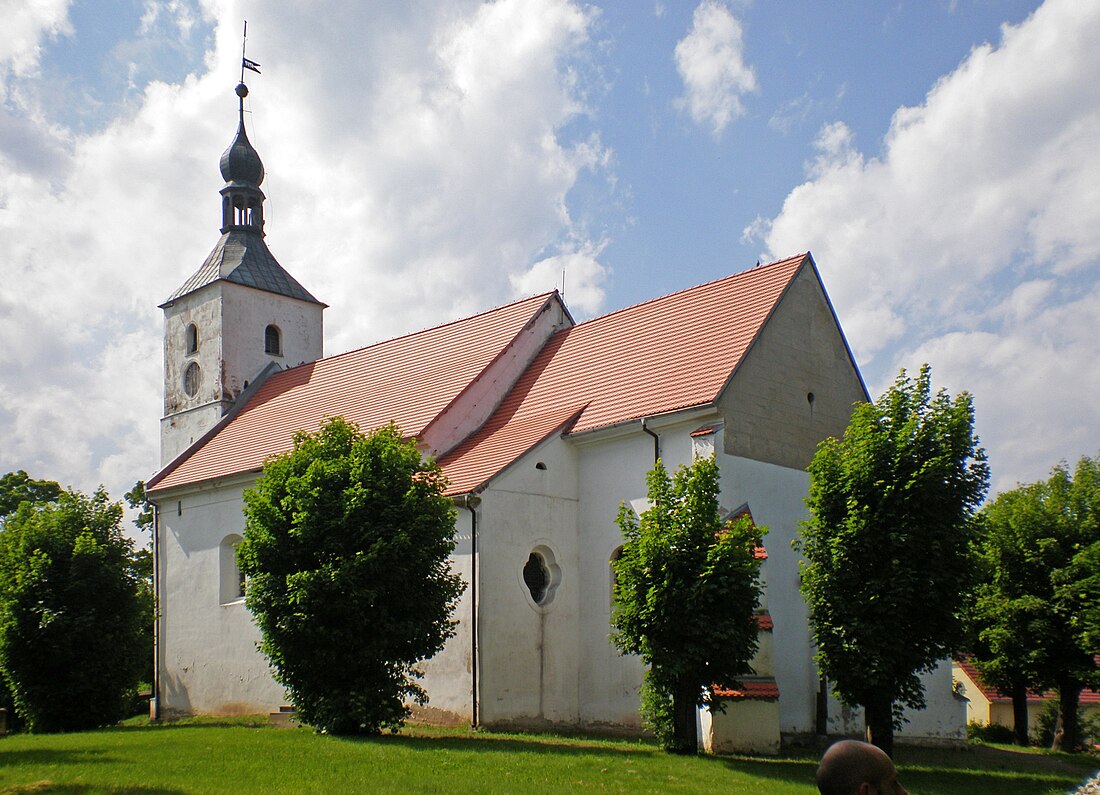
column 273, row 343
column 192, row 378
column 192, row 338
column 541, row 576
column 231, row 578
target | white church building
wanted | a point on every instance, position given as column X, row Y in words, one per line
column 543, row 426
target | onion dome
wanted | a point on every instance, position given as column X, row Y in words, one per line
column 240, row 163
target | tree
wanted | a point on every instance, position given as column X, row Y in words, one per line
column 143, row 568
column 1033, row 605
column 686, row 593
column 70, row 614
column 346, row 547
column 886, row 546
column 18, row 487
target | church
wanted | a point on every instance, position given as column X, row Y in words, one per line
column 542, row 426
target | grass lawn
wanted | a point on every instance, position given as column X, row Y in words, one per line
column 242, row 756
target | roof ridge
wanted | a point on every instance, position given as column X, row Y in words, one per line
column 776, row 263
column 408, row 334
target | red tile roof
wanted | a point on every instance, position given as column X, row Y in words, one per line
column 765, row 623
column 750, row 690
column 671, row 353
column 408, row 380
column 995, row 696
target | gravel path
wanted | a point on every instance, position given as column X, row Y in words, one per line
column 1090, row 787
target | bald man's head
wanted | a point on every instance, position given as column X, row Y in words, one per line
column 850, row 767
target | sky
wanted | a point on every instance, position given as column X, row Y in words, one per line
column 430, row 159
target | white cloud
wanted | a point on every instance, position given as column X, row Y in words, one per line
column 971, row 239
column 710, row 60
column 417, row 171
column 26, row 23
column 579, row 272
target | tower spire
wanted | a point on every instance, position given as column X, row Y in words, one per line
column 242, row 169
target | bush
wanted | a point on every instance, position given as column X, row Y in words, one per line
column 346, row 548
column 1047, row 722
column 989, row 732
column 70, row 615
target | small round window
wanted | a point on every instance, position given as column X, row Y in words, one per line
column 192, row 376
column 541, row 576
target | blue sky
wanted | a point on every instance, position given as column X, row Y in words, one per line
column 428, row 160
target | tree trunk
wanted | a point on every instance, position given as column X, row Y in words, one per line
column 1019, row 714
column 685, row 704
column 1067, row 734
column 822, row 717
column 878, row 714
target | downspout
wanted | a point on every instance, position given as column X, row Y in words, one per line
column 470, row 503
column 656, row 441
column 156, row 614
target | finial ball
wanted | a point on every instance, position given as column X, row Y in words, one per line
column 241, row 90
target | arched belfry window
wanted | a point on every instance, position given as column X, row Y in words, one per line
column 192, row 338
column 273, row 342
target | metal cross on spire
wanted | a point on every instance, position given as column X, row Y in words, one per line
column 245, row 63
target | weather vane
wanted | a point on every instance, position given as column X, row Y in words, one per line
column 245, row 63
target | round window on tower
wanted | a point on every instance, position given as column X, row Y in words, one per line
column 192, row 377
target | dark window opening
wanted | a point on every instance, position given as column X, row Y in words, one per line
column 192, row 339
column 272, row 341
column 536, row 576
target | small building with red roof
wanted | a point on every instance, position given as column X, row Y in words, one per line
column 543, row 427
column 988, row 705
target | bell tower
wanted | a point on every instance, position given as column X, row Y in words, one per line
column 239, row 313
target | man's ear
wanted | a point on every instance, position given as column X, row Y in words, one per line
column 865, row 789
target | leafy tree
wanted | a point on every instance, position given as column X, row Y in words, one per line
column 1032, row 608
column 886, row 546
column 686, row 594
column 143, row 568
column 17, row 487
column 346, row 546
column 70, row 615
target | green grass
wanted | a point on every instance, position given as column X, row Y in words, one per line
column 243, row 756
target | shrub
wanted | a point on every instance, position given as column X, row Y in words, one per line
column 70, row 615
column 1047, row 722
column 346, row 549
column 989, row 732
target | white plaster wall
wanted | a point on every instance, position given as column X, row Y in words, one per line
column 448, row 677
column 611, row 470
column 528, row 654
column 209, row 660
column 187, row 418
column 746, row 727
column 943, row 718
column 208, row 657
column 776, row 495
column 246, row 314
